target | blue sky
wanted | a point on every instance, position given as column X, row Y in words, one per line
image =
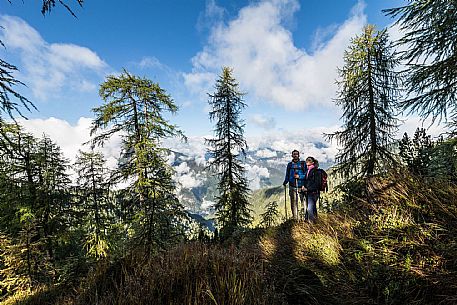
column 284, row 54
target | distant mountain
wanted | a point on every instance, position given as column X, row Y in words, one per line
column 196, row 185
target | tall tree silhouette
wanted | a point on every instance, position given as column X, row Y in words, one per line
column 431, row 55
column 232, row 202
column 368, row 93
column 94, row 200
column 417, row 152
column 134, row 110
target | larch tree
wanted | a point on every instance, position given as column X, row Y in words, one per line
column 93, row 198
column 134, row 109
column 368, row 90
column 430, row 54
column 228, row 143
column 53, row 196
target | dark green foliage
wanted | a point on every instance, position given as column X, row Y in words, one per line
column 444, row 160
column 271, row 214
column 35, row 208
column 401, row 250
column 428, row 159
column 226, row 105
column 134, row 108
column 430, row 53
column 48, row 5
column 416, row 153
column 368, row 93
column 94, row 202
column 8, row 91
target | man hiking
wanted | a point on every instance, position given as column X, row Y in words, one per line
column 295, row 175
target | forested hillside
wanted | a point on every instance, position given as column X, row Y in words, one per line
column 83, row 232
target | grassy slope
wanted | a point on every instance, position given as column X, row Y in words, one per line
column 394, row 245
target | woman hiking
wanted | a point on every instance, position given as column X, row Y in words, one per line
column 311, row 187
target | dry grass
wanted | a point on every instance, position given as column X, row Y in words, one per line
column 189, row 274
column 393, row 244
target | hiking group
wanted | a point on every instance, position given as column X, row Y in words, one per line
column 306, row 180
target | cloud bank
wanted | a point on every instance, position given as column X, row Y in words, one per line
column 265, row 60
column 48, row 68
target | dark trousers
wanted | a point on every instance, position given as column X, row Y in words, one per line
column 311, row 200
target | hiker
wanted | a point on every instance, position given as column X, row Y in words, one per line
column 311, row 187
column 295, row 175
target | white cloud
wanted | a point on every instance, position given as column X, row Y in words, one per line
column 265, row 153
column 49, row 67
column 70, row 138
column 263, row 121
column 254, row 174
column 411, row 123
column 194, row 147
column 150, row 62
column 182, row 168
column 188, row 181
column 206, row 204
column 213, row 14
column 310, row 142
column 266, row 61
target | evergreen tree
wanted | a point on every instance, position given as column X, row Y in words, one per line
column 36, row 202
column 94, row 200
column 8, row 92
column 24, row 257
column 232, row 202
column 443, row 165
column 53, row 196
column 368, row 91
column 134, row 109
column 417, row 152
column 271, row 214
column 430, row 54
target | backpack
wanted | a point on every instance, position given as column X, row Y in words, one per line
column 323, row 186
column 322, row 177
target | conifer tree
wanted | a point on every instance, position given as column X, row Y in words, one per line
column 443, row 165
column 225, row 148
column 8, row 92
column 36, row 202
column 368, row 93
column 417, row 152
column 134, row 109
column 22, row 257
column 94, row 200
column 53, row 195
column 271, row 214
column 430, row 55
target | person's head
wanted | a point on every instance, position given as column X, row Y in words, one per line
column 310, row 160
column 295, row 154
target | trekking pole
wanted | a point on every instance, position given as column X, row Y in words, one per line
column 305, row 204
column 297, row 198
column 302, row 203
column 285, row 201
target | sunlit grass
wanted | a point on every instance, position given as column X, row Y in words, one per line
column 395, row 245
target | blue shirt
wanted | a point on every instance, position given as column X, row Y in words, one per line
column 292, row 169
